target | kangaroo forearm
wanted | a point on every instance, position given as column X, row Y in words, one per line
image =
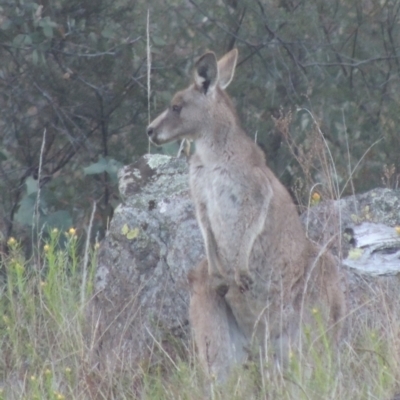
column 250, row 235
column 214, row 264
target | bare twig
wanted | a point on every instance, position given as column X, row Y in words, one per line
column 36, row 215
column 148, row 68
column 86, row 256
column 348, row 153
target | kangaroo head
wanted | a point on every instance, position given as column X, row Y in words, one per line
column 194, row 110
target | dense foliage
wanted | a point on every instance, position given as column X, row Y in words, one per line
column 74, row 101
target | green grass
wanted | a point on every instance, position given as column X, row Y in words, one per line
column 47, row 351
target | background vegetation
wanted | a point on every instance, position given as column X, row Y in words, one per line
column 74, row 107
column 73, row 79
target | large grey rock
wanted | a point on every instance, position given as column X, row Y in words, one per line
column 361, row 229
column 141, row 300
column 328, row 221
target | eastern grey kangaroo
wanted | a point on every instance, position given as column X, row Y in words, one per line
column 260, row 261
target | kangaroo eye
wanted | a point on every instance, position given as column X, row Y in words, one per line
column 176, row 108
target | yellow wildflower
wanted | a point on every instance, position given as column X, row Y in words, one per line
column 11, row 241
column 315, row 198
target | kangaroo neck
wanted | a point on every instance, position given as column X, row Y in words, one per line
column 219, row 144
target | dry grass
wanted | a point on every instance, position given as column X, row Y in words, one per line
column 47, row 352
column 315, row 168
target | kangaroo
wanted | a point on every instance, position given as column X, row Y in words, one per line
column 259, row 259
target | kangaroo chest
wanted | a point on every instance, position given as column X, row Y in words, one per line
column 220, row 191
column 223, row 198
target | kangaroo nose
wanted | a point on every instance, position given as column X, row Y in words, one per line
column 150, row 131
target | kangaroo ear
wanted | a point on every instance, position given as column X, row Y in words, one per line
column 226, row 68
column 206, row 72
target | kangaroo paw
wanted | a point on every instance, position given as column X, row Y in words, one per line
column 219, row 284
column 244, row 280
column 222, row 289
